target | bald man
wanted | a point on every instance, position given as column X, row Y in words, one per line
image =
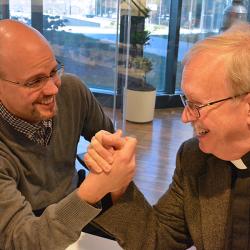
column 43, row 112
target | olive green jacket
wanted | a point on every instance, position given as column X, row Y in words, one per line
column 193, row 211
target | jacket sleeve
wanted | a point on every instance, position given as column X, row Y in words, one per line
column 59, row 226
column 137, row 225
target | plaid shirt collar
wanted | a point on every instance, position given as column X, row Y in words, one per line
column 39, row 132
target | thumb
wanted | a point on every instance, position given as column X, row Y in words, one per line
column 113, row 140
column 130, row 146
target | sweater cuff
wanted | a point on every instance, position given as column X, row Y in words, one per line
column 76, row 213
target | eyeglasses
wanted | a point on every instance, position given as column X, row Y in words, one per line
column 194, row 108
column 41, row 81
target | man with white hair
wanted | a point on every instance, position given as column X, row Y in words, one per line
column 207, row 203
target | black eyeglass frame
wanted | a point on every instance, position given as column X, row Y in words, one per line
column 196, row 108
column 32, row 84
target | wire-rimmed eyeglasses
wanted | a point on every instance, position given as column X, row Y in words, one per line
column 39, row 82
column 194, row 108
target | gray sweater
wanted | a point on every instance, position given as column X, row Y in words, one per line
column 34, row 177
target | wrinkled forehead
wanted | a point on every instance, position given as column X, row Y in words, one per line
column 204, row 75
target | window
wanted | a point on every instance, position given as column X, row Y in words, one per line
column 199, row 19
column 20, row 10
column 84, row 35
column 156, row 51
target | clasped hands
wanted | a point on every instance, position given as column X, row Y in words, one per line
column 111, row 160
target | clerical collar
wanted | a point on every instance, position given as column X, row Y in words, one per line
column 239, row 164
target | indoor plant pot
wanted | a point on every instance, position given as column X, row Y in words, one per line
column 140, row 96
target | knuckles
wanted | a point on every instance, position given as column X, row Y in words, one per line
column 86, row 157
column 91, row 151
column 94, row 142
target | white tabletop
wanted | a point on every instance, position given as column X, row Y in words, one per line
column 92, row 242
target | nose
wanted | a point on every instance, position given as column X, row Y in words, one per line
column 187, row 116
column 51, row 87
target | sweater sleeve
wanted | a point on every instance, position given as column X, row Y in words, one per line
column 94, row 116
column 82, row 110
column 59, row 226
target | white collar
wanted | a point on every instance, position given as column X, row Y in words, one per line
column 239, row 164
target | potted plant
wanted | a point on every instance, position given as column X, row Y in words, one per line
column 140, row 95
column 138, row 68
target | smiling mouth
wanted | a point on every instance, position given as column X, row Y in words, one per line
column 199, row 131
column 47, row 101
column 202, row 132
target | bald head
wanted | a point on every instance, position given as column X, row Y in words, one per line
column 27, row 56
column 10, row 27
column 19, row 41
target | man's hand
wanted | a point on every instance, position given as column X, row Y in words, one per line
column 99, row 156
column 97, row 185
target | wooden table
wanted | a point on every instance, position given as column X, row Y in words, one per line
column 92, row 242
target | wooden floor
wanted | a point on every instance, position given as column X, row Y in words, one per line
column 158, row 143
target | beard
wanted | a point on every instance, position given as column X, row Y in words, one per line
column 38, row 114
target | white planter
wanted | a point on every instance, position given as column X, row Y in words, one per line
column 140, row 105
